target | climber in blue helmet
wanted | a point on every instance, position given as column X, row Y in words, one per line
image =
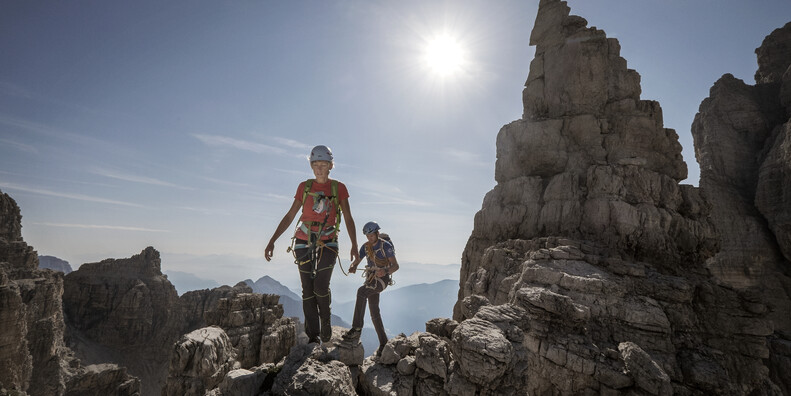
column 382, row 263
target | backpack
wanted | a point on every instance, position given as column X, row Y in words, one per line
column 368, row 274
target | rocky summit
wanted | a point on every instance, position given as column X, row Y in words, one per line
column 590, row 270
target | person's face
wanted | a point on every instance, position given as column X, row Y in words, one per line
column 372, row 236
column 321, row 169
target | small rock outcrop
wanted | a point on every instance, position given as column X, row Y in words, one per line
column 256, row 327
column 34, row 358
column 199, row 362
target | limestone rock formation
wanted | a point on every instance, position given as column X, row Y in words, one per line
column 199, row 362
column 742, row 135
column 103, row 379
column 311, row 370
column 773, row 192
column 590, row 269
column 119, row 311
column 125, row 311
column 34, row 358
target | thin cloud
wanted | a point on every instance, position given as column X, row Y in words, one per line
column 19, row 146
column 245, row 145
column 466, row 157
column 79, row 197
column 102, row 227
column 393, row 200
column 49, row 131
column 404, row 202
column 292, row 143
column 137, row 179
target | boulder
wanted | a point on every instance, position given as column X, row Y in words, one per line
column 199, row 362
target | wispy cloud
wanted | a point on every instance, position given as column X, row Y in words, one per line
column 18, row 146
column 102, row 227
column 79, row 197
column 206, row 211
column 136, row 179
column 466, row 157
column 49, row 131
column 292, row 143
column 246, row 145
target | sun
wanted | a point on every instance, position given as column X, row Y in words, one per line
column 444, row 55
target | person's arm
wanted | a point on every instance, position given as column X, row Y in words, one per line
column 353, row 265
column 389, row 270
column 351, row 229
column 281, row 228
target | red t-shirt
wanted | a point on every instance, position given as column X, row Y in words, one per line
column 317, row 208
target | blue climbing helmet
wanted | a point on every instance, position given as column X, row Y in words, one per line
column 370, row 227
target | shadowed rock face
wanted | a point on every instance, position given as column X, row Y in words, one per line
column 589, row 159
column 125, row 311
column 591, row 269
column 33, row 356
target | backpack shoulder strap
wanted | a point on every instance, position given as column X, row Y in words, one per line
column 306, row 190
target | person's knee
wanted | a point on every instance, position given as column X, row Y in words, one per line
column 362, row 292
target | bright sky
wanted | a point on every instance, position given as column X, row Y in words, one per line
column 185, row 125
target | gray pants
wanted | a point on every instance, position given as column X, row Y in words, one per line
column 370, row 292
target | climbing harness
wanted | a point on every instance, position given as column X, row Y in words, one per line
column 371, row 280
column 316, row 230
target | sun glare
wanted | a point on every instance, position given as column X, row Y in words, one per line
column 444, row 55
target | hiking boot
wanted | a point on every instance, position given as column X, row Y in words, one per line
column 326, row 331
column 313, row 340
column 353, row 334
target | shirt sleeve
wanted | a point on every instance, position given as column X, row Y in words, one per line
column 343, row 193
column 362, row 250
column 389, row 250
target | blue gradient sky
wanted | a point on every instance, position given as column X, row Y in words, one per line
column 184, row 125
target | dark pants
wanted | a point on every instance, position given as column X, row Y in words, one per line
column 316, row 287
column 370, row 292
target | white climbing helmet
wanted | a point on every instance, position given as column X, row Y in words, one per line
column 321, row 153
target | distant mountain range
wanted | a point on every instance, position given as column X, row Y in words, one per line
column 407, row 309
column 404, row 310
column 185, row 281
column 54, row 263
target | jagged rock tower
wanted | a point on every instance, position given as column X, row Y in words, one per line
column 593, row 268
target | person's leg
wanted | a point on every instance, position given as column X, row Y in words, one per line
column 309, row 307
column 359, row 306
column 376, row 319
column 321, row 289
column 363, row 294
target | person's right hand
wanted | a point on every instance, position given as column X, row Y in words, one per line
column 352, row 269
column 269, row 251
